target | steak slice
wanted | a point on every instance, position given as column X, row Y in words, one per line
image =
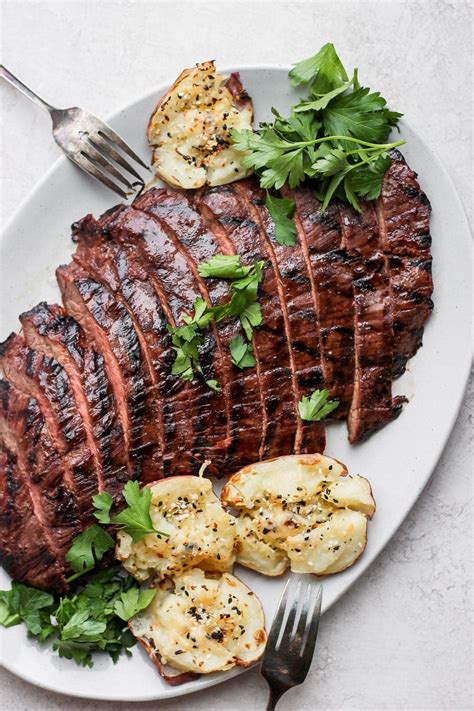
column 195, row 415
column 24, row 432
column 42, row 378
column 372, row 405
column 109, row 264
column 302, row 330
column 411, row 285
column 107, row 323
column 403, row 211
column 24, row 551
column 270, row 343
column 177, row 212
column 331, row 273
column 49, row 330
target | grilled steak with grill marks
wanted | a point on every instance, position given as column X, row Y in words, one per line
column 89, row 400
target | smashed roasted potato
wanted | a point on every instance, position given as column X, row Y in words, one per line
column 299, row 511
column 201, row 622
column 200, row 532
column 189, row 130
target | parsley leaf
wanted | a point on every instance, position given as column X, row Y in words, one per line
column 336, row 136
column 323, row 100
column 332, row 162
column 250, row 318
column 281, row 211
column 241, row 353
column 132, row 601
column 103, row 503
column 359, row 114
column 323, row 71
column 286, row 168
column 83, row 622
column 28, row 605
column 136, row 519
column 223, row 266
column 8, row 617
column 88, row 548
column 243, row 303
column 367, row 180
column 82, row 628
column 317, row 406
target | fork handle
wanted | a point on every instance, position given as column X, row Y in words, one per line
column 275, row 695
column 25, row 90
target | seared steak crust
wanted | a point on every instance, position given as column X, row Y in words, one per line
column 271, row 349
column 88, row 398
column 24, row 552
column 42, row 378
column 49, row 330
column 195, row 415
column 331, row 269
column 301, row 325
column 404, row 211
column 117, row 270
column 24, row 432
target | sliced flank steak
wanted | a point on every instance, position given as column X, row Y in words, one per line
column 403, row 211
column 40, row 377
column 195, row 415
column 331, row 273
column 50, row 330
column 301, row 326
column 24, row 551
column 372, row 404
column 88, row 399
column 270, row 343
column 177, row 212
column 119, row 272
column 107, row 323
column 25, row 433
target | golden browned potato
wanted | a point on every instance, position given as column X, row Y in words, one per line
column 200, row 532
column 189, row 129
column 200, row 623
column 299, row 511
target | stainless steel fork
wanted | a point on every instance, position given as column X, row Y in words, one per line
column 88, row 142
column 292, row 637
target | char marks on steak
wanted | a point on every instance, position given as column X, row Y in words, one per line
column 332, row 273
column 23, row 431
column 49, row 330
column 24, row 552
column 42, row 378
column 301, row 327
column 404, row 212
column 116, row 269
column 270, row 344
column 89, row 400
column 195, row 415
column 243, row 431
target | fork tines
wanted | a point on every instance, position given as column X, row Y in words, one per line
column 293, row 633
column 100, row 157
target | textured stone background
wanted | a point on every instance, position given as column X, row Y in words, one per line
column 401, row 637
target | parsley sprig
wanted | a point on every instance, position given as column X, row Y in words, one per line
column 90, row 546
column 188, row 337
column 135, row 519
column 317, row 406
column 93, row 619
column 336, row 136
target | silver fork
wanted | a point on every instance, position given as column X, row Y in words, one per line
column 88, row 142
column 292, row 637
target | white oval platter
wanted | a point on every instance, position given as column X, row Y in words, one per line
column 398, row 460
